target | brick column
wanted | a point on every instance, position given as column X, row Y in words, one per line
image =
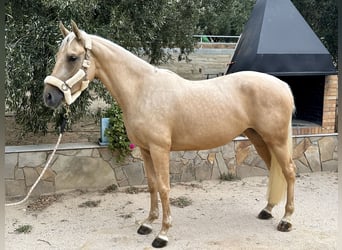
column 329, row 104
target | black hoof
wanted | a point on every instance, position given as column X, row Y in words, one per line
column 265, row 215
column 159, row 243
column 284, row 226
column 144, row 230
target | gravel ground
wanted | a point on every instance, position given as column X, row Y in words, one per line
column 219, row 215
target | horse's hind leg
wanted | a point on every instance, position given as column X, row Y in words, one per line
column 260, row 146
column 262, row 149
column 284, row 158
column 146, row 226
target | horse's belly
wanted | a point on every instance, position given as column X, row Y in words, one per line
column 208, row 127
column 199, row 139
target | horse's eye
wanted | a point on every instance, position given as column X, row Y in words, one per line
column 72, row 58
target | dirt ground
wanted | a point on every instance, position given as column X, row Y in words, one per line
column 220, row 215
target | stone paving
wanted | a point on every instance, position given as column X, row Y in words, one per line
column 89, row 166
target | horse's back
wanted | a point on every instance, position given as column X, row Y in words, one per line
column 249, row 91
column 256, row 81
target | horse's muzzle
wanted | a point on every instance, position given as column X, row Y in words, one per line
column 53, row 97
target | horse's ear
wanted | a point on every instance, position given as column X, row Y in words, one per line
column 76, row 30
column 64, row 31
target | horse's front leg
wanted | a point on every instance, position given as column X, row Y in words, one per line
column 146, row 226
column 160, row 158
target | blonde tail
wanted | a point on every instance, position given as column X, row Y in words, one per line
column 277, row 184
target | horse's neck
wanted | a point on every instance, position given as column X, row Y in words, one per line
column 119, row 70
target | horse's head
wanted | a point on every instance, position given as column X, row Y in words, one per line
column 73, row 69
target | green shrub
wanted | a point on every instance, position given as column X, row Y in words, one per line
column 23, row 229
column 228, row 177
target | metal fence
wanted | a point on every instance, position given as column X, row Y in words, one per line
column 217, row 39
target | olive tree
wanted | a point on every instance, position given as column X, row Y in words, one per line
column 145, row 27
column 32, row 38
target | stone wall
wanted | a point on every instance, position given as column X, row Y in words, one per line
column 89, row 166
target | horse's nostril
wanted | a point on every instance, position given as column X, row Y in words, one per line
column 52, row 97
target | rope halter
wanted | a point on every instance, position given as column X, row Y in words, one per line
column 66, row 86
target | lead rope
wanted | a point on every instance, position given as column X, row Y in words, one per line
column 62, row 127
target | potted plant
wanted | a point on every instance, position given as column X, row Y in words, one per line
column 113, row 132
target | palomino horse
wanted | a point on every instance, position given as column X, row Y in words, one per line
column 164, row 112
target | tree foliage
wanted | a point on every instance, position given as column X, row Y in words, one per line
column 32, row 38
column 145, row 27
column 222, row 17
